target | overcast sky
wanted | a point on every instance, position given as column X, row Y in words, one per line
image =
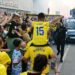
column 63, row 6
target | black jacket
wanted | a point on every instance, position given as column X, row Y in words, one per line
column 60, row 34
column 12, row 27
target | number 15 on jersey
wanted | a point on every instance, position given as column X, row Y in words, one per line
column 40, row 31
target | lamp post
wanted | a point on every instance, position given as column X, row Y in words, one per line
column 48, row 10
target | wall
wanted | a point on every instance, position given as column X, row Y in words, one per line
column 18, row 4
column 25, row 5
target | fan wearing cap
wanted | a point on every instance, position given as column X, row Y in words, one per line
column 16, row 18
column 14, row 26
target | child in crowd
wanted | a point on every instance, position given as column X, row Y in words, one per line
column 16, row 58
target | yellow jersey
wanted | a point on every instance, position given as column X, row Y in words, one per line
column 4, row 59
column 32, row 52
column 40, row 31
column 28, row 45
column 2, row 70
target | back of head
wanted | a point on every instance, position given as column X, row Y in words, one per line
column 41, row 16
column 40, row 63
column 33, row 73
column 24, row 26
column 17, row 42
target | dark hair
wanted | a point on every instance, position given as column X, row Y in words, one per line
column 26, row 20
column 41, row 16
column 39, row 63
column 5, row 13
column 29, row 73
column 17, row 42
column 24, row 26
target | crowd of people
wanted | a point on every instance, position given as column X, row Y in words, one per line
column 24, row 44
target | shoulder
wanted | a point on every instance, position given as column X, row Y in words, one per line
column 33, row 22
column 14, row 51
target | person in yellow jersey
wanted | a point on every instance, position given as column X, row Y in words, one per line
column 41, row 29
column 39, row 43
column 40, row 63
column 40, row 33
column 5, row 59
column 33, row 51
column 3, row 70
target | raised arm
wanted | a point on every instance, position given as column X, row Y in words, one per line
column 5, row 50
column 57, row 19
column 6, row 20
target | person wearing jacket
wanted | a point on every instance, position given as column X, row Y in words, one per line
column 60, row 39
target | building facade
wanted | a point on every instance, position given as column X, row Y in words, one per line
column 32, row 6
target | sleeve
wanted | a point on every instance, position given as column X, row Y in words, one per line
column 2, row 70
column 27, row 53
column 4, row 58
column 28, row 45
column 26, row 37
column 51, row 52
